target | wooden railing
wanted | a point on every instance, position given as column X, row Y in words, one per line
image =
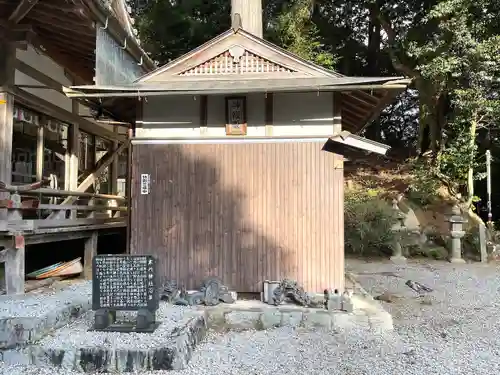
column 27, row 211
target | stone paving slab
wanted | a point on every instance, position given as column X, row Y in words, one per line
column 245, row 315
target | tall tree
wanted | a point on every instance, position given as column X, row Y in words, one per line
column 170, row 28
column 293, row 29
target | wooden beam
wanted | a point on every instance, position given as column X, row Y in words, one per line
column 39, row 76
column 22, row 9
column 87, row 183
column 50, row 83
column 68, row 62
column 68, row 235
column 76, row 28
column 63, row 115
column 354, row 97
column 359, row 116
column 33, row 225
column 89, row 254
column 384, row 102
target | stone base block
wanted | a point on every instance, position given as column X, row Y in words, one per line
column 174, row 356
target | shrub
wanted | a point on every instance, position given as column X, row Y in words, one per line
column 368, row 223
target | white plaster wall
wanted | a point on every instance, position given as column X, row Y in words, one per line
column 172, row 116
column 304, row 114
column 295, row 114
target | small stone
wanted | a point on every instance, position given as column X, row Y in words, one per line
column 387, row 297
column 426, row 300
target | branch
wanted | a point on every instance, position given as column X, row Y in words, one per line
column 391, row 36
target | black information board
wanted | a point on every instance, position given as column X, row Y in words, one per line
column 124, row 282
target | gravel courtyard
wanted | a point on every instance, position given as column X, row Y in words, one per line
column 453, row 330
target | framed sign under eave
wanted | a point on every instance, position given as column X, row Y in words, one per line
column 236, row 115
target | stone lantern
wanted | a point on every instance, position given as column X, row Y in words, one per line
column 457, row 222
column 399, row 228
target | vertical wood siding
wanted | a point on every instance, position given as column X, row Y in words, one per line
column 242, row 212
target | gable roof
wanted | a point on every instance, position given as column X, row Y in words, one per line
column 237, row 50
column 238, row 61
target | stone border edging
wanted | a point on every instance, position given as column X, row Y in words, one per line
column 20, row 331
column 89, row 360
column 380, row 320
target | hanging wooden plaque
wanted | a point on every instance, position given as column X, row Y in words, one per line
column 236, row 115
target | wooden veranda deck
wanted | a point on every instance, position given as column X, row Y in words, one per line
column 26, row 219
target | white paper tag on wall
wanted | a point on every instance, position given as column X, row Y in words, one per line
column 145, row 184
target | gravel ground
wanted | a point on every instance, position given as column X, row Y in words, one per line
column 40, row 303
column 454, row 330
column 77, row 335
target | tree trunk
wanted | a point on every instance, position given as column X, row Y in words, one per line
column 431, row 118
column 470, row 172
column 373, row 66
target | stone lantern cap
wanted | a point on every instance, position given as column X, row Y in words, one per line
column 456, row 216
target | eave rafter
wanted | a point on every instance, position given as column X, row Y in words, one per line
column 22, row 9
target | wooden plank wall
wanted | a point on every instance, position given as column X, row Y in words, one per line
column 242, row 212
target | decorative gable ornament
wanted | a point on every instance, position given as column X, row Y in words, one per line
column 236, row 60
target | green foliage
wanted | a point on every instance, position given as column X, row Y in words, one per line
column 294, row 31
column 424, row 187
column 368, row 221
column 169, row 29
column 449, row 47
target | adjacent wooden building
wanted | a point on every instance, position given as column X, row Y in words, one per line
column 44, row 135
column 237, row 165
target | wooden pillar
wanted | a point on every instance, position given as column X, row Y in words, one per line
column 113, row 176
column 269, row 105
column 203, row 114
column 14, row 270
column 90, row 253
column 338, row 199
column 40, row 148
column 75, row 148
column 128, row 187
column 71, row 160
column 15, row 254
column 7, row 71
column 337, row 112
